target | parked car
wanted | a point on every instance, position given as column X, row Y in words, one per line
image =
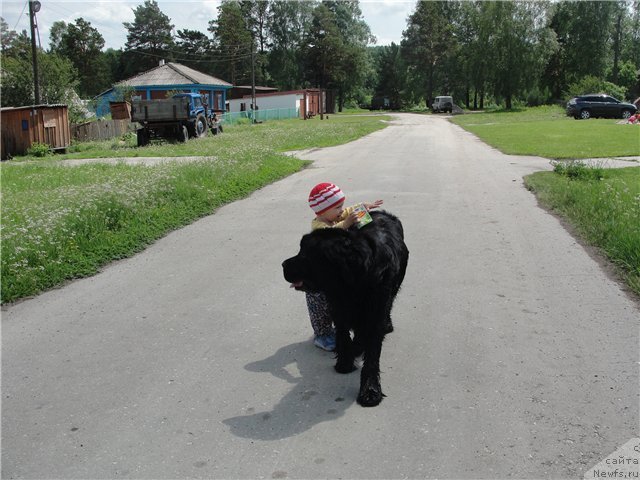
column 442, row 104
column 599, row 105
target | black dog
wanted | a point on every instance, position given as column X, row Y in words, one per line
column 360, row 271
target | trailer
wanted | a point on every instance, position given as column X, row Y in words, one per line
column 183, row 116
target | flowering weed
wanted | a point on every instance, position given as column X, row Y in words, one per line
column 604, row 207
column 63, row 222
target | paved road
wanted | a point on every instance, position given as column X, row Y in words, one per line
column 514, row 354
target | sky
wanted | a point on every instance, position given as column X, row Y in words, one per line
column 386, row 18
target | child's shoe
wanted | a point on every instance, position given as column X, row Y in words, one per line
column 325, row 342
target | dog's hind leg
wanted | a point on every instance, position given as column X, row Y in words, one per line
column 370, row 393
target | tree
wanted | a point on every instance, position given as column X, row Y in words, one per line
column 257, row 14
column 57, row 76
column 631, row 39
column 324, row 49
column 336, row 55
column 233, row 42
column 583, row 31
column 392, row 75
column 356, row 35
column 520, row 46
column 195, row 50
column 428, row 40
column 7, row 37
column 57, row 31
column 82, row 44
column 288, row 27
column 474, row 31
column 149, row 38
column 58, row 79
column 114, row 63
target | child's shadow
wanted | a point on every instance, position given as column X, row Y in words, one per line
column 319, row 394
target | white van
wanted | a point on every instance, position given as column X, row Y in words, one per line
column 442, row 104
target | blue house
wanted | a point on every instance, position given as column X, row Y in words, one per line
column 168, row 77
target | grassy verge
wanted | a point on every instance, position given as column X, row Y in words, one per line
column 603, row 205
column 61, row 222
column 548, row 132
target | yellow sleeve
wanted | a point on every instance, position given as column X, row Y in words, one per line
column 340, row 220
column 317, row 224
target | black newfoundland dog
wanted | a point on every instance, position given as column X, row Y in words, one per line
column 360, row 271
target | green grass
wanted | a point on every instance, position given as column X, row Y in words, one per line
column 604, row 207
column 63, row 222
column 548, row 132
column 282, row 135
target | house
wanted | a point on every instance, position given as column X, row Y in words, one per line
column 239, row 91
column 306, row 102
column 22, row 126
column 165, row 79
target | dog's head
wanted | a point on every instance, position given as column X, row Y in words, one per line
column 329, row 259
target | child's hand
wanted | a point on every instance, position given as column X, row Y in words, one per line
column 376, row 204
column 350, row 220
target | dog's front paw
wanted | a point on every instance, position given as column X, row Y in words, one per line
column 370, row 393
column 345, row 367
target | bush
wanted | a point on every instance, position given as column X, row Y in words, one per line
column 591, row 84
column 536, row 97
column 38, row 149
column 577, row 170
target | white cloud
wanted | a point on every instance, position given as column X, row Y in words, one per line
column 386, row 18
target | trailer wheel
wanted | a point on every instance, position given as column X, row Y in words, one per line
column 183, row 134
column 201, row 126
column 142, row 137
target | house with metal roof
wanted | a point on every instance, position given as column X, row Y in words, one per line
column 164, row 79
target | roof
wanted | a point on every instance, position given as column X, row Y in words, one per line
column 172, row 74
column 257, row 87
column 32, row 107
column 289, row 92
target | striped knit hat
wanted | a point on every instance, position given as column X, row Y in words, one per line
column 324, row 196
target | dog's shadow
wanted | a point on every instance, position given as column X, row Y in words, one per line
column 319, row 394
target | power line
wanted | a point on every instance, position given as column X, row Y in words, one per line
column 217, row 60
column 20, row 16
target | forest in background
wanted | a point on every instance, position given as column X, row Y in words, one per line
column 481, row 52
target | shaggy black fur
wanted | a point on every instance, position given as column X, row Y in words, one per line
column 360, row 271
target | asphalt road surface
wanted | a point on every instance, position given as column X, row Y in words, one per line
column 515, row 354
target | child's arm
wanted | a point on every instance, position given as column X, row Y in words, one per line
column 347, row 222
column 350, row 218
column 376, row 204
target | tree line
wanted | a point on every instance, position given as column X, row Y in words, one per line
column 480, row 52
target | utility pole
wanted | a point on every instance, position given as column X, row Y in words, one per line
column 34, row 7
column 253, row 81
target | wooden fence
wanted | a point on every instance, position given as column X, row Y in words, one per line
column 102, row 129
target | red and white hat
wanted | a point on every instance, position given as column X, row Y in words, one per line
column 324, row 196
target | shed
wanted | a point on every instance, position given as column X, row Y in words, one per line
column 120, row 110
column 22, row 126
column 307, row 102
column 168, row 77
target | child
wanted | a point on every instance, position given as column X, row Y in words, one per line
column 327, row 201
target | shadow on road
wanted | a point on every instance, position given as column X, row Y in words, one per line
column 319, row 394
